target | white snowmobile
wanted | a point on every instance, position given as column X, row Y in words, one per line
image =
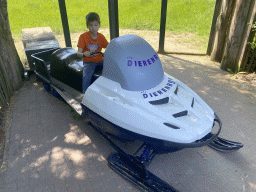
column 130, row 99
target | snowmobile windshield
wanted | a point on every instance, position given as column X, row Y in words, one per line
column 133, row 63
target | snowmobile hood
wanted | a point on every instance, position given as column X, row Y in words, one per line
column 132, row 62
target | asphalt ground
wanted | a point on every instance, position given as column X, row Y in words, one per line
column 50, row 148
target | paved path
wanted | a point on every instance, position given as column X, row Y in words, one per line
column 48, row 148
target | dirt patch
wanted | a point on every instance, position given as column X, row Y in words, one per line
column 244, row 81
column 245, row 77
column 174, row 42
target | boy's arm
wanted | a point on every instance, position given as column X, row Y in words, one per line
column 80, row 44
column 80, row 52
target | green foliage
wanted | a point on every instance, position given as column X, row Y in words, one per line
column 253, row 43
column 182, row 16
column 231, row 73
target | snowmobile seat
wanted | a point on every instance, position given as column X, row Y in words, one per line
column 67, row 67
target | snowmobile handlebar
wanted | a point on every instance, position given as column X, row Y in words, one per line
column 95, row 52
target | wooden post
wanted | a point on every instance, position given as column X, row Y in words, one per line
column 162, row 26
column 213, row 27
column 113, row 18
column 251, row 18
column 222, row 27
column 236, row 36
column 64, row 19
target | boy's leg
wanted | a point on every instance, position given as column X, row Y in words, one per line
column 87, row 74
column 100, row 64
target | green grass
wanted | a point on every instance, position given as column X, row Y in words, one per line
column 182, row 15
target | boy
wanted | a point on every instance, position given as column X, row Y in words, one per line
column 88, row 43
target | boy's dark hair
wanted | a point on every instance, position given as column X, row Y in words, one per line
column 92, row 17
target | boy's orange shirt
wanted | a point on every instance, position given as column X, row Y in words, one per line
column 86, row 42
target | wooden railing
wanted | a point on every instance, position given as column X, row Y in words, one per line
column 248, row 63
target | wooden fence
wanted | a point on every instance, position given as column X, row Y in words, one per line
column 248, row 63
column 230, row 32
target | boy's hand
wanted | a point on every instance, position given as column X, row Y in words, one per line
column 86, row 54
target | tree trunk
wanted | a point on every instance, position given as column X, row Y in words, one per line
column 236, row 36
column 11, row 69
column 6, row 89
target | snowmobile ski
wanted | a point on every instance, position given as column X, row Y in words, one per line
column 136, row 173
column 224, row 145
